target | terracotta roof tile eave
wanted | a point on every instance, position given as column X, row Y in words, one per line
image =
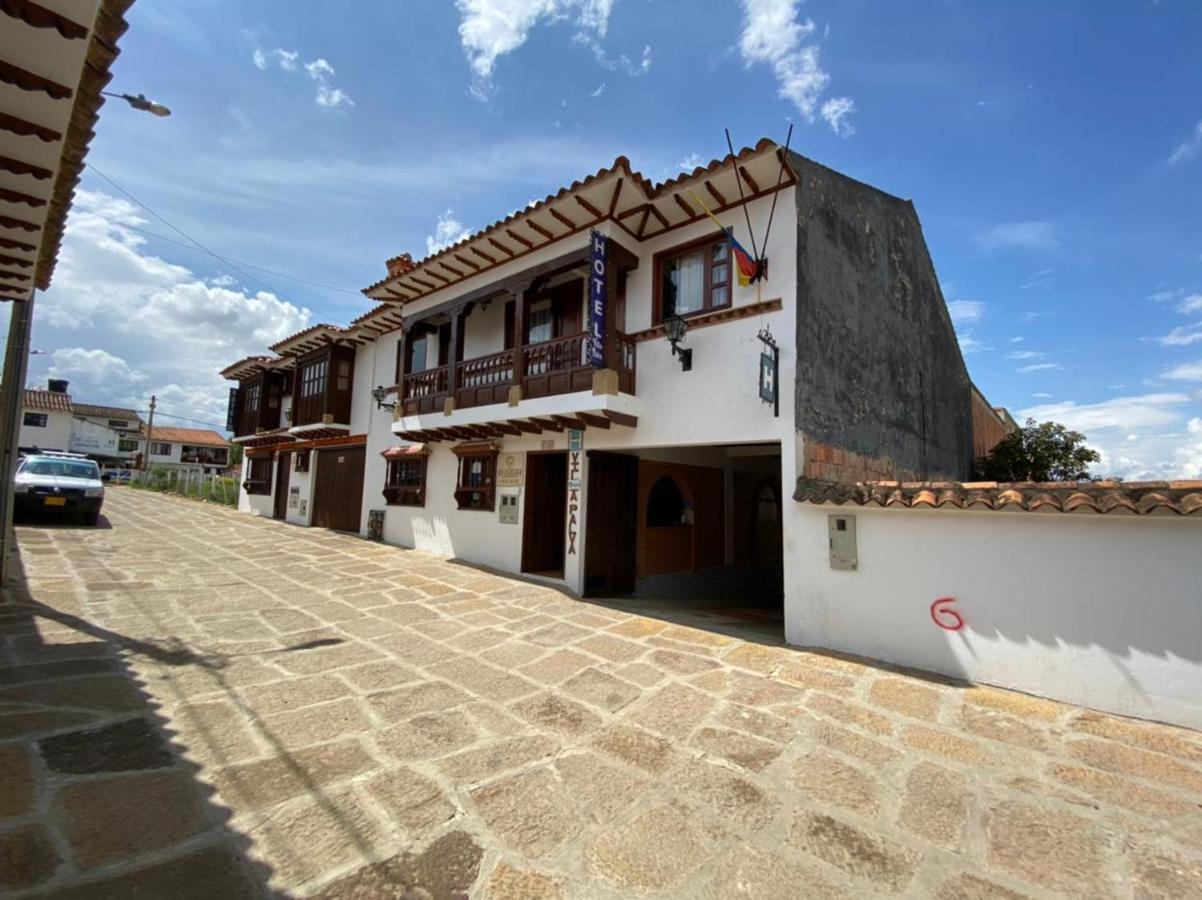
column 1181, row 498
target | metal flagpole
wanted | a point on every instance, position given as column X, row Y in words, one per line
column 742, row 202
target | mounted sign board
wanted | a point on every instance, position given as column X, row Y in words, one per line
column 511, row 470
column 598, row 286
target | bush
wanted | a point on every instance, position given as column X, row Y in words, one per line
column 221, row 489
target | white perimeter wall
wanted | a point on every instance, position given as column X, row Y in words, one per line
column 1099, row 610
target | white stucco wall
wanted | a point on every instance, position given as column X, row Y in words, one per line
column 1099, row 610
column 56, row 435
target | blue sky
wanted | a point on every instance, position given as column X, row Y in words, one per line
column 1053, row 151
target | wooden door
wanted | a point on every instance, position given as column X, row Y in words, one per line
column 611, row 524
column 283, row 467
column 338, row 491
column 546, row 513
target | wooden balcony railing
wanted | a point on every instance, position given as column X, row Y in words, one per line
column 553, row 367
column 423, row 392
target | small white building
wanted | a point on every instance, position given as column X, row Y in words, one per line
column 188, row 448
column 52, row 420
column 46, row 419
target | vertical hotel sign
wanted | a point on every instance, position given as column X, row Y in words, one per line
column 597, row 291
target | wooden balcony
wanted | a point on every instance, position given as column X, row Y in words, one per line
column 549, row 368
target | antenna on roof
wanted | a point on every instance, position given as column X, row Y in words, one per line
column 776, row 191
column 742, row 201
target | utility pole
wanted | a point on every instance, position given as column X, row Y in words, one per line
column 12, row 401
column 149, row 436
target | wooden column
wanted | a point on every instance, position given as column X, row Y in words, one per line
column 453, row 352
column 519, row 335
column 402, row 363
column 609, row 342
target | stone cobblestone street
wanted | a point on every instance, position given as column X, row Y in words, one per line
column 200, row 703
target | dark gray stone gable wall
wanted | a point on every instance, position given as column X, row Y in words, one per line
column 879, row 369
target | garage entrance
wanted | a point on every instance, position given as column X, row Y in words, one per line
column 691, row 533
column 338, row 490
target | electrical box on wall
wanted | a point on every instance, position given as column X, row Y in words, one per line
column 508, row 513
column 842, row 531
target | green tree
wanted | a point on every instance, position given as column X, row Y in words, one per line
column 1044, row 451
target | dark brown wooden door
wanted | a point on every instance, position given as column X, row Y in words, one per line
column 338, row 493
column 283, row 467
column 546, row 512
column 611, row 524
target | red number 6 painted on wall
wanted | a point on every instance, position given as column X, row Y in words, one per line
column 946, row 618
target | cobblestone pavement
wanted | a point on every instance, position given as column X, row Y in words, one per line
column 197, row 703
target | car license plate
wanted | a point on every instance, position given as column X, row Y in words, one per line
column 56, row 501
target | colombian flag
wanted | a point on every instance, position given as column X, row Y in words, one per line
column 747, row 266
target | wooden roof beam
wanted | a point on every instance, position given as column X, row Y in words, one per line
column 500, row 246
column 663, row 220
column 509, row 428
column 594, row 421
column 755, row 188
column 467, row 262
column 613, row 201
column 534, row 226
column 571, row 422
column 547, row 424
column 684, row 204
column 484, row 256
column 619, row 418
column 561, row 218
column 715, row 193
column 588, row 206
column 517, row 237
column 526, row 427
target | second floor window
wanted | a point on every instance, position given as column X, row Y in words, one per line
column 695, row 280
column 157, row 449
column 313, row 379
column 252, row 398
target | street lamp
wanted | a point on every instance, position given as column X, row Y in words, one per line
column 675, row 328
column 379, row 392
column 139, row 101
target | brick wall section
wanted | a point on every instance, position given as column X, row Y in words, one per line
column 829, row 463
column 988, row 428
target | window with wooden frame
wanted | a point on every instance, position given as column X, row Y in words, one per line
column 313, row 378
column 160, row 449
column 252, row 398
column 693, row 279
column 476, row 484
column 405, row 481
column 258, row 475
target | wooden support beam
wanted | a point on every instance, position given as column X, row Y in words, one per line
column 453, row 353
column 427, row 285
column 561, row 218
column 484, row 256
column 534, row 226
column 620, row 418
column 467, row 262
column 456, row 272
column 15, row 261
column 613, row 201
column 643, row 221
column 547, row 424
column 755, row 188
column 715, row 193
column 571, row 422
column 10, row 222
column 592, row 209
column 9, row 244
column 517, row 237
column 632, row 211
column 663, row 220
column 500, row 246
column 526, row 427
column 17, row 276
column 506, row 428
column 594, row 421
column 441, row 278
column 684, row 204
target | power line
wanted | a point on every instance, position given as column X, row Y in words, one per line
column 159, row 412
column 157, row 236
column 191, row 239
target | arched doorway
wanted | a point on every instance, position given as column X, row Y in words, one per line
column 767, row 539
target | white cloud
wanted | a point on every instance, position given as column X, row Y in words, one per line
column 1191, row 304
column 449, row 230
column 1166, row 445
column 162, row 328
column 1038, row 367
column 490, row 29
column 1185, row 372
column 1033, row 235
column 1188, row 148
column 1016, row 340
column 773, row 35
column 963, row 311
column 1025, row 354
column 1040, row 395
column 1039, row 279
column 836, row 112
column 600, row 89
column 1182, row 335
column 970, row 345
column 319, row 70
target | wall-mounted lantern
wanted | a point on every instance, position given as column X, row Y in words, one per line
column 675, row 329
column 379, row 392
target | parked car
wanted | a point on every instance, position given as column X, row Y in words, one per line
column 119, row 476
column 59, row 482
